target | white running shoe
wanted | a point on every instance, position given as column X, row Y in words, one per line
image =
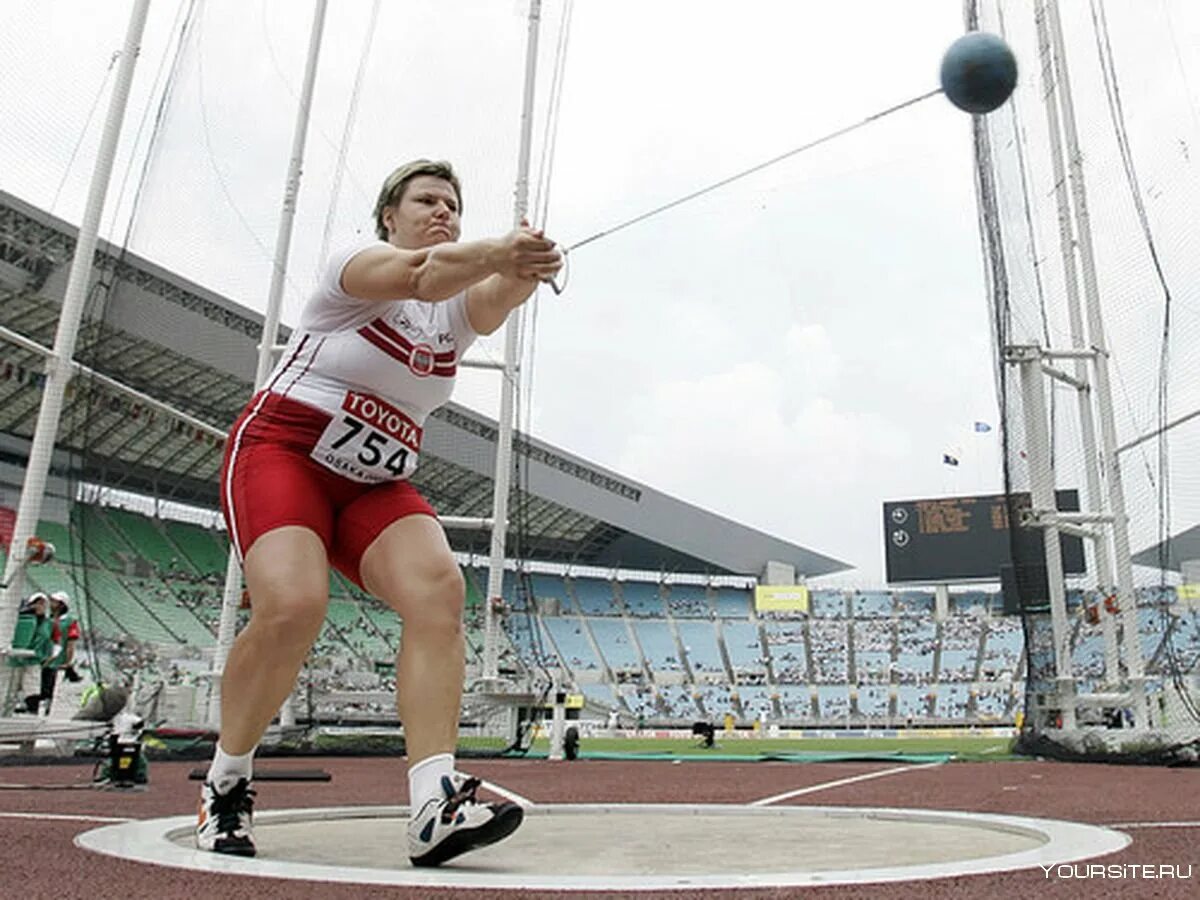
column 226, row 823
column 457, row 822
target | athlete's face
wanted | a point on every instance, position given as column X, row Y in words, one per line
column 427, row 214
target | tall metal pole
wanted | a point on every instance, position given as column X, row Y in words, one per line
column 59, row 367
column 1110, row 465
column 1054, row 90
column 1041, row 485
column 512, row 331
column 283, row 241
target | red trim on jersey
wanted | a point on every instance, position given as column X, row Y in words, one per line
column 404, row 355
column 393, row 335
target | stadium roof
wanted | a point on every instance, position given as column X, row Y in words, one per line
column 169, row 364
column 1181, row 548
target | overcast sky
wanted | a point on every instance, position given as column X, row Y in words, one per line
column 789, row 351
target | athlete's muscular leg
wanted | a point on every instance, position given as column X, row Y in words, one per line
column 410, row 567
column 288, row 577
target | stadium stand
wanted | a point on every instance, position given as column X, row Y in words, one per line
column 700, row 647
column 641, row 600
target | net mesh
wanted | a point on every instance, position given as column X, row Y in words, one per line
column 196, row 195
column 1087, row 183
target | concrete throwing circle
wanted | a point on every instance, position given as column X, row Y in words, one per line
column 633, row 847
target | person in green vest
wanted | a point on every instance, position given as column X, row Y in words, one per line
column 33, row 634
column 64, row 633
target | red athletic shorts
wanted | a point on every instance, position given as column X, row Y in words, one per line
column 268, row 480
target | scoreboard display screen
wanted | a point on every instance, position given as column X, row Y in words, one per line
column 953, row 539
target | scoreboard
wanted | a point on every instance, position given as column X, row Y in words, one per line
column 953, row 539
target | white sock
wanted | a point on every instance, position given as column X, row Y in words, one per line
column 425, row 779
column 226, row 769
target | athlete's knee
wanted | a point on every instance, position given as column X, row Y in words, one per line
column 438, row 600
column 294, row 619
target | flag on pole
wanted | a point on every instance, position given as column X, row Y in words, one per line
column 982, row 427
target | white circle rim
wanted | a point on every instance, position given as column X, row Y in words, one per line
column 152, row 841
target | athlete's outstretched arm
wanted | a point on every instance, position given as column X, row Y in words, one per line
column 385, row 272
column 490, row 301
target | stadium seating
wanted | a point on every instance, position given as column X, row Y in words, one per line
column 871, row 604
column 594, row 596
column 614, row 642
column 573, row 645
column 658, row 644
column 642, row 599
column 828, row 639
column 743, row 646
column 700, row 644
column 731, row 603
column 873, row 701
column 827, row 605
column 688, row 601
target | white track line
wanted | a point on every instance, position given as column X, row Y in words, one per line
column 56, row 817
column 812, row 789
column 1155, row 825
column 507, row 794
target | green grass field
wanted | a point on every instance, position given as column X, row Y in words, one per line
column 967, row 748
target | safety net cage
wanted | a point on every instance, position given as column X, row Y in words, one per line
column 191, row 251
column 1088, row 187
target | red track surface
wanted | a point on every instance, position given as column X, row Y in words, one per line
column 39, row 859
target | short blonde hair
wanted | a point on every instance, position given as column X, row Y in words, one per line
column 395, row 184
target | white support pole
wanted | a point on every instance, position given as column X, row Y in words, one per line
column 1041, row 482
column 1109, row 462
column 512, row 332
column 1055, row 91
column 283, row 240
column 58, row 365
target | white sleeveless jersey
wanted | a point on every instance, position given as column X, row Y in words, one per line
column 376, row 368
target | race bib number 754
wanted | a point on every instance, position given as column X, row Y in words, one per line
column 369, row 441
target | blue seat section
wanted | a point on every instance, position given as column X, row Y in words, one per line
column 642, row 599
column 916, row 639
column 873, row 666
column 717, row 699
column 678, row 700
column 1003, row 647
column 827, row 605
column 700, row 642
column 787, row 646
column 957, row 665
column 970, row 603
column 992, row 702
column 688, row 601
column 732, row 603
column 910, row 701
column 830, row 658
column 756, row 699
column 952, row 701
column 742, row 645
column 614, row 643
column 833, row 700
column 594, row 596
column 871, row 604
column 795, row 701
column 873, row 649
column 658, row 644
column 1087, row 657
column 573, row 645
column 550, row 586
column 601, row 694
column 639, row 698
column 915, row 603
column 873, row 700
